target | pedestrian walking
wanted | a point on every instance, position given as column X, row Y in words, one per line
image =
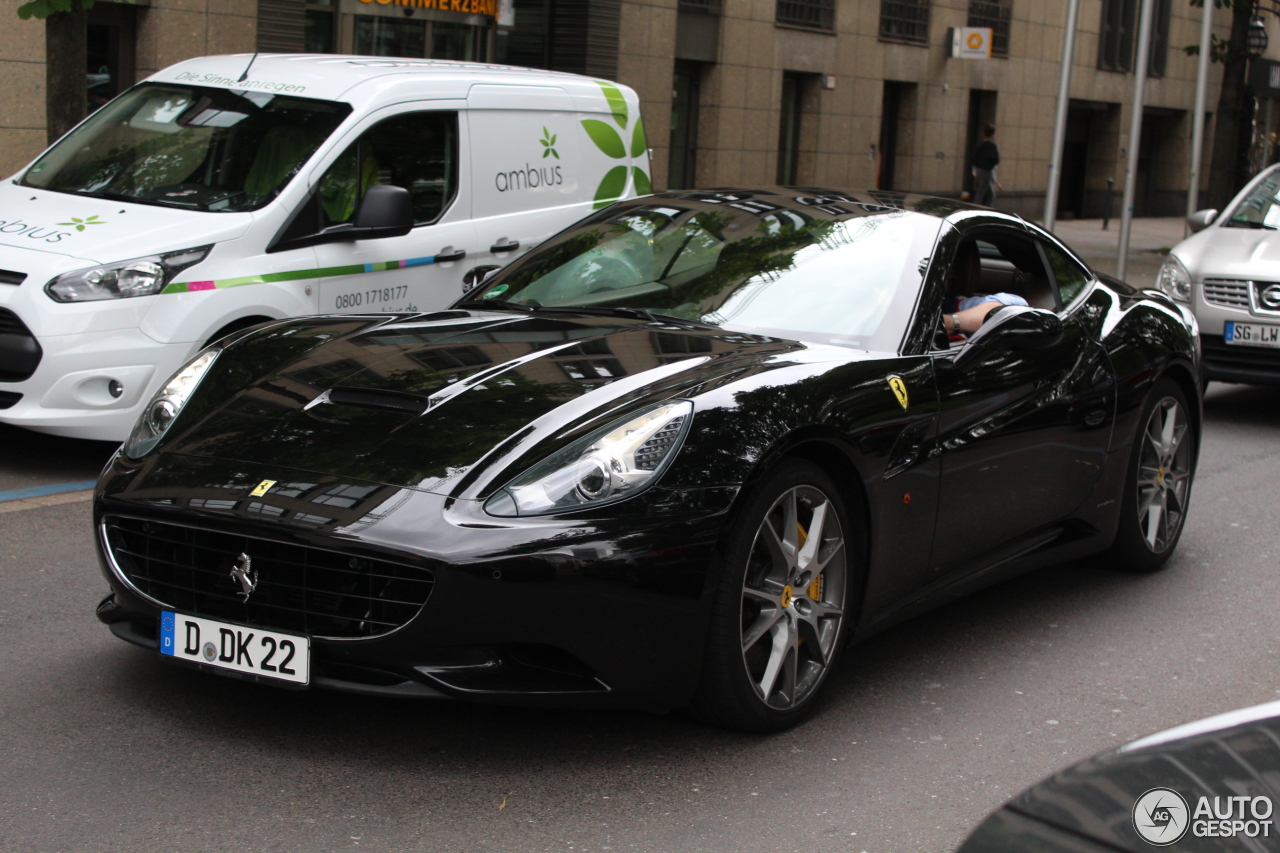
column 985, row 159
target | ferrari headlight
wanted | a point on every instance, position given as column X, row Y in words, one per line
column 1174, row 279
column 610, row 464
column 138, row 277
column 164, row 407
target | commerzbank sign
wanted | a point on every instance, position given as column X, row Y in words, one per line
column 488, row 8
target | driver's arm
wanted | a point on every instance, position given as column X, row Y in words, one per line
column 970, row 318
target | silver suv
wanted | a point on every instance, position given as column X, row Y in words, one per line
column 1229, row 274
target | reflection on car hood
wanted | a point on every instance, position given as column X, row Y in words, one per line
column 1231, row 755
column 1242, row 253
column 419, row 402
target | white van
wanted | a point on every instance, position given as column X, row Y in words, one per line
column 229, row 190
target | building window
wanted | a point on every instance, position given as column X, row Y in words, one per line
column 789, row 129
column 1119, row 35
column 319, row 24
column 686, row 95
column 994, row 14
column 815, row 14
column 905, row 20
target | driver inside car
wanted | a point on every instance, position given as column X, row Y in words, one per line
column 964, row 310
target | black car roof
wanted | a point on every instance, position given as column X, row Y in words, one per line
column 800, row 198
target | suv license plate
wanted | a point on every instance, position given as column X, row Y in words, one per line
column 265, row 654
column 1251, row 334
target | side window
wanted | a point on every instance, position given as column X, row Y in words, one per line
column 1070, row 276
column 417, row 151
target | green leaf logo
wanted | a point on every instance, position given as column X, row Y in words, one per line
column 643, row 187
column 637, row 139
column 611, row 188
column 548, row 141
column 617, row 103
column 79, row 223
column 605, row 138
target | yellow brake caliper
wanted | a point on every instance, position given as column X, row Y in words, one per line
column 814, row 589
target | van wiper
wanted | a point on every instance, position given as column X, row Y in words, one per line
column 134, row 199
column 495, row 305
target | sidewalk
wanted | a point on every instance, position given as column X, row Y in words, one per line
column 1149, row 240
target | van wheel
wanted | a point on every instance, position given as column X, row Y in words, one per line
column 235, row 326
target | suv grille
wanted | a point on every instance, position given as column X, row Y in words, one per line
column 1221, row 291
column 303, row 589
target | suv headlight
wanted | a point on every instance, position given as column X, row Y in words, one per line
column 165, row 406
column 138, row 277
column 610, row 464
column 1174, row 279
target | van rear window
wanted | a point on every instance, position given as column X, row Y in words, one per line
column 189, row 147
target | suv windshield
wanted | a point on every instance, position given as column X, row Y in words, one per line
column 831, row 275
column 1260, row 208
column 189, row 147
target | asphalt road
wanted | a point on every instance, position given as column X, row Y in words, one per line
column 925, row 730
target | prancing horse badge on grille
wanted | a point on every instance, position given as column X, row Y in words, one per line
column 243, row 574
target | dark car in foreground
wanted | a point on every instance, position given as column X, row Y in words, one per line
column 1211, row 785
column 681, row 455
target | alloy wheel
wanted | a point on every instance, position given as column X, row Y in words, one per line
column 1164, row 475
column 793, row 597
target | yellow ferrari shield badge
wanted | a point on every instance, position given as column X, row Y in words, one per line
column 899, row 389
column 261, row 489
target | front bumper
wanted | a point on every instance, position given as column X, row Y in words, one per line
column 71, row 391
column 1224, row 362
column 587, row 612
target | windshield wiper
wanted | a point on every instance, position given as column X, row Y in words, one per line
column 624, row 311
column 1248, row 223
column 133, row 199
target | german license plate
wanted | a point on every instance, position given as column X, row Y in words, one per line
column 1251, row 334
column 253, row 651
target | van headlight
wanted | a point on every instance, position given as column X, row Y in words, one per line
column 610, row 464
column 1174, row 279
column 165, row 406
column 138, row 277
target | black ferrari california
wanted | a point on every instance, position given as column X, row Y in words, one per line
column 682, row 455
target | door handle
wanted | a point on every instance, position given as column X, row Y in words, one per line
column 451, row 256
column 509, row 246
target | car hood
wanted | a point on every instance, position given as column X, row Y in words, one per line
column 1242, row 253
column 430, row 402
column 1221, row 757
column 102, row 231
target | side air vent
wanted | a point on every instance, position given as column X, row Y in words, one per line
column 376, row 398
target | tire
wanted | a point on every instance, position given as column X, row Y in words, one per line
column 1158, row 482
column 778, row 624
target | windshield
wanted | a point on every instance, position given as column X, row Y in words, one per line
column 1260, row 208
column 838, row 275
column 189, row 147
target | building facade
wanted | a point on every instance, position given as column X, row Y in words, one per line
column 841, row 93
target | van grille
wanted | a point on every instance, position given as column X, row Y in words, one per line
column 1222, row 291
column 20, row 353
column 11, row 277
column 8, row 399
column 298, row 588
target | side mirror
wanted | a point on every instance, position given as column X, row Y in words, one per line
column 385, row 211
column 1201, row 219
column 1011, row 328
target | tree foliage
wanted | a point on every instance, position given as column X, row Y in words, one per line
column 41, row 9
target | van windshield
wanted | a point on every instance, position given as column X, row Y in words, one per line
column 189, row 147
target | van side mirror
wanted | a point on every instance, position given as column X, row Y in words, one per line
column 1201, row 219
column 385, row 211
column 1011, row 328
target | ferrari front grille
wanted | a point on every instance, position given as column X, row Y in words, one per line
column 277, row 585
column 1224, row 291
